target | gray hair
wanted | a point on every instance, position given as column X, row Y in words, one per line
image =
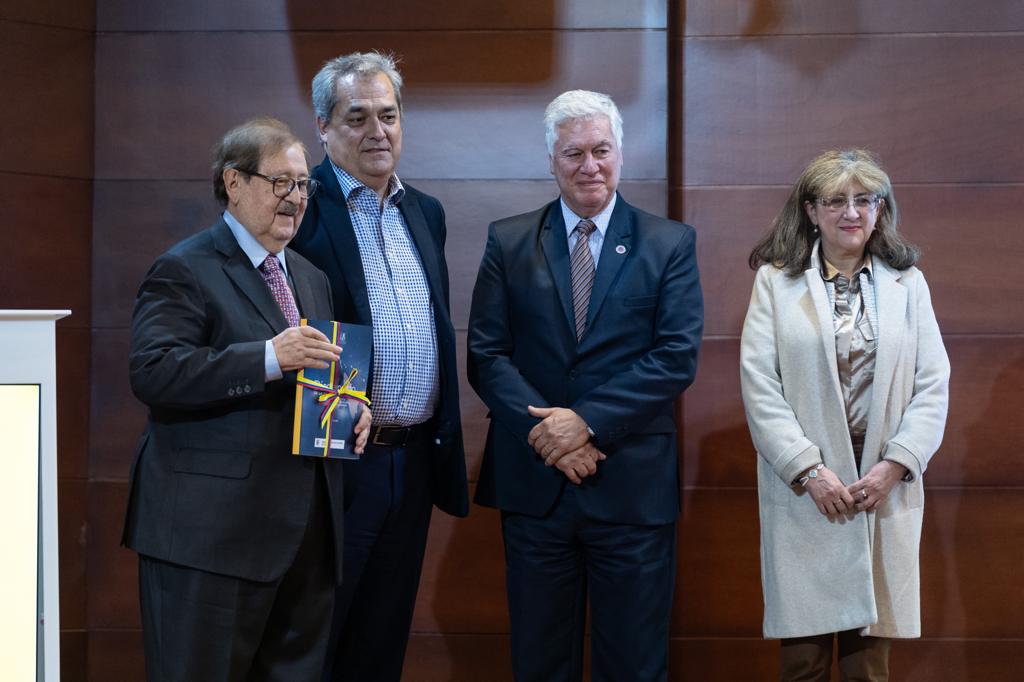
column 361, row 64
column 575, row 104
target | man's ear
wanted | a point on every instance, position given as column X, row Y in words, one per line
column 232, row 184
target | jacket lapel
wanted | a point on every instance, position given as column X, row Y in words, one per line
column 826, row 329
column 891, row 304
column 556, row 251
column 424, row 241
column 239, row 269
column 619, row 234
column 343, row 238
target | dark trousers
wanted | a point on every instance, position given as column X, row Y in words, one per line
column 385, row 536
column 551, row 563
column 205, row 626
column 861, row 659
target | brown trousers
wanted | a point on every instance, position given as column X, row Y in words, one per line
column 809, row 659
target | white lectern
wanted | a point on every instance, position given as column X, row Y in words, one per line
column 30, row 617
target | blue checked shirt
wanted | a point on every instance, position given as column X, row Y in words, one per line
column 404, row 390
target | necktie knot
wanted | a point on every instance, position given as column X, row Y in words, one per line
column 585, row 228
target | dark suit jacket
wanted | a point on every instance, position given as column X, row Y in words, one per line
column 328, row 240
column 214, row 485
column 638, row 354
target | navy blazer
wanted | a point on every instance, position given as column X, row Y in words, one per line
column 327, row 239
column 214, row 485
column 639, row 352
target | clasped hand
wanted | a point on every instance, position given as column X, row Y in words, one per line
column 562, row 439
column 833, row 498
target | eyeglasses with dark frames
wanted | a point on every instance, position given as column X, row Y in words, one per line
column 284, row 185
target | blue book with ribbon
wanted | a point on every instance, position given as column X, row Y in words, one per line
column 328, row 402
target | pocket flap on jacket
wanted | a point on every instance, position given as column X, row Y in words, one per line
column 223, row 463
column 640, row 301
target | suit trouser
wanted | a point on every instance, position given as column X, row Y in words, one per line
column 550, row 564
column 385, row 537
column 198, row 625
column 861, row 659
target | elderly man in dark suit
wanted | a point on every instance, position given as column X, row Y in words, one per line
column 584, row 329
column 381, row 243
column 239, row 541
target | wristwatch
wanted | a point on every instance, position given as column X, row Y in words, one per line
column 811, row 473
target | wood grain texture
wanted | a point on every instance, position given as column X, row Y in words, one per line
column 47, row 117
column 983, row 429
column 117, row 419
column 48, row 237
column 72, row 534
column 462, row 588
column 757, row 109
column 458, row 657
column 472, row 109
column 967, row 234
column 54, row 13
column 115, row 655
column 792, row 17
column 408, row 15
column 74, row 653
column 74, row 345
column 113, row 571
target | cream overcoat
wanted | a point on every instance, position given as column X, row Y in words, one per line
column 860, row 572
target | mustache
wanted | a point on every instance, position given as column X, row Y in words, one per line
column 288, row 208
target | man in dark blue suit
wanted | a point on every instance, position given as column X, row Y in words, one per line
column 586, row 320
column 381, row 243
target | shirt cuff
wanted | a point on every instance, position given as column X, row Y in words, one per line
column 271, row 367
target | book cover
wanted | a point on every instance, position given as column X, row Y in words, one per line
column 328, row 402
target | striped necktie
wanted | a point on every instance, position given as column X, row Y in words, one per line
column 581, row 271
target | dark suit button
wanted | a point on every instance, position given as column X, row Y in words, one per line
column 572, row 374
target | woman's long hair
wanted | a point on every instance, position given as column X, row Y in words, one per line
column 791, row 236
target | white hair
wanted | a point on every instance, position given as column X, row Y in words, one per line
column 575, row 104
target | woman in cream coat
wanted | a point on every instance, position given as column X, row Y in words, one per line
column 845, row 384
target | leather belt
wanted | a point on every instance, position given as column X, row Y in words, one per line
column 398, row 436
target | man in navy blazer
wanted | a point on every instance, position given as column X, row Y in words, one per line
column 381, row 243
column 584, row 329
column 239, row 541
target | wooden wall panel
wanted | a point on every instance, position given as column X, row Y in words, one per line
column 983, row 430
column 458, row 657
column 757, row 109
column 115, row 655
column 462, row 589
column 54, row 13
column 72, row 534
column 113, row 573
column 193, row 86
column 138, row 220
column 47, row 116
column 792, row 17
column 967, row 234
column 48, row 233
column 74, row 647
column 408, row 15
column 73, row 347
column 969, row 585
column 117, row 417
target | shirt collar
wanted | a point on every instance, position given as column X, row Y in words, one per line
column 829, row 271
column 600, row 220
column 350, row 184
column 252, row 248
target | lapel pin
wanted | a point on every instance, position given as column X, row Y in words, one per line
column 620, row 249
